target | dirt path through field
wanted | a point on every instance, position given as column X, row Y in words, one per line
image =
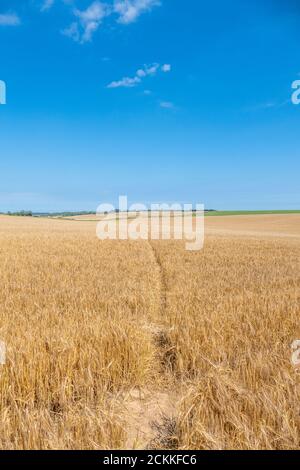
column 150, row 418
column 150, row 414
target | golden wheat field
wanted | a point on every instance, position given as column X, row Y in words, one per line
column 137, row 344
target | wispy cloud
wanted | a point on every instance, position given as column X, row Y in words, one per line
column 147, row 70
column 91, row 18
column 125, row 82
column 47, row 4
column 130, row 10
column 167, row 105
column 72, row 32
column 267, row 105
column 166, row 68
column 88, row 21
column 9, row 19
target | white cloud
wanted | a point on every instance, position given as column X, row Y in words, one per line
column 166, row 68
column 95, row 12
column 151, row 69
column 141, row 73
column 166, row 105
column 91, row 18
column 72, row 32
column 9, row 19
column 127, row 82
column 47, row 4
column 88, row 22
column 130, row 10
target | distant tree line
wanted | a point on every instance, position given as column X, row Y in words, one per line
column 21, row 213
column 48, row 214
column 66, row 214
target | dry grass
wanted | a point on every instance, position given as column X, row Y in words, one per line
column 235, row 311
column 87, row 324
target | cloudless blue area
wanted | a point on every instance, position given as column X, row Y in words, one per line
column 230, row 140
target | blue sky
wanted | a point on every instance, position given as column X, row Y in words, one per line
column 163, row 101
